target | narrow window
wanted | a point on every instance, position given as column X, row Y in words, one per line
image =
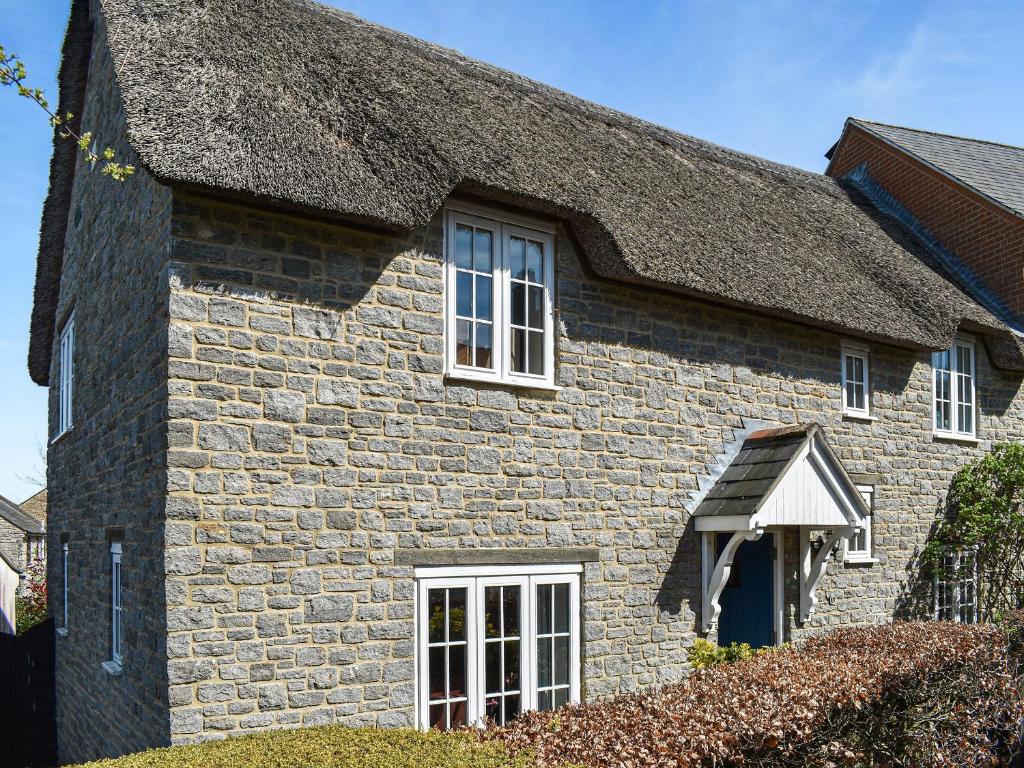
column 494, row 642
column 955, row 586
column 854, row 374
column 66, row 376
column 954, row 391
column 116, row 624
column 499, row 280
column 858, row 546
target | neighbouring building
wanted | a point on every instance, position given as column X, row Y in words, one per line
column 396, row 389
column 23, row 534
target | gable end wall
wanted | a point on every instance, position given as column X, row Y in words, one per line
column 987, row 238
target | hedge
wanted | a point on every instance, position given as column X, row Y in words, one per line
column 906, row 695
column 910, row 694
column 330, row 747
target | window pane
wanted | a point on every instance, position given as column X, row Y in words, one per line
column 544, row 609
column 536, row 306
column 463, row 246
column 463, row 294
column 483, row 252
column 511, row 665
column 463, row 342
column 562, row 660
column 435, row 673
column 517, row 338
column 437, row 719
column 534, row 262
column 517, row 297
column 561, row 607
column 492, row 667
column 457, row 713
column 536, row 352
column 457, row 614
column 456, row 671
column 544, row 662
column 511, row 708
column 963, row 362
column 517, row 257
column 511, row 611
column 492, row 612
column 544, row 701
column 483, row 345
column 483, row 297
column 561, row 697
column 940, row 361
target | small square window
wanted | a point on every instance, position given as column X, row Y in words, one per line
column 857, row 548
column 856, row 393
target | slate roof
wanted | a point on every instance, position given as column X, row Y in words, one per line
column 18, row 518
column 290, row 103
column 757, row 469
column 994, row 170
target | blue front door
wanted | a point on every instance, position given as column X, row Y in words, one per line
column 747, row 600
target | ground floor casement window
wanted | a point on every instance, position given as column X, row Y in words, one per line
column 493, row 641
column 956, row 587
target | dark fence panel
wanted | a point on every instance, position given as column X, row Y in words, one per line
column 27, row 701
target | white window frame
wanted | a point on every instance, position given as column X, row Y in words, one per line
column 116, row 606
column 504, row 227
column 475, row 579
column 955, row 430
column 864, row 555
column 847, row 349
column 963, row 590
column 66, row 376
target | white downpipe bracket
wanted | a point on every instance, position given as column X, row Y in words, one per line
column 716, row 576
column 812, row 566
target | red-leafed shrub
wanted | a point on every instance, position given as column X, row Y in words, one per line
column 909, row 694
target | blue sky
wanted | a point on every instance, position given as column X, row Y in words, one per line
column 774, row 78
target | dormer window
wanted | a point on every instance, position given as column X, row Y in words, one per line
column 499, row 309
column 953, row 393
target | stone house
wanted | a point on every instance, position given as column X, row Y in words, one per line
column 22, row 535
column 399, row 390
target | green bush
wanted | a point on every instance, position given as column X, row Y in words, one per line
column 330, row 747
column 30, row 608
column 704, row 654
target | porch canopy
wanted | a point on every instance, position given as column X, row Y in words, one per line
column 780, row 477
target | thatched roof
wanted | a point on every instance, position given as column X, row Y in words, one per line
column 289, row 102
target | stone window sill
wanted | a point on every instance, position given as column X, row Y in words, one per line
column 860, row 560
column 861, row 417
column 947, row 437
column 57, row 438
column 460, row 378
column 62, row 631
column 112, row 668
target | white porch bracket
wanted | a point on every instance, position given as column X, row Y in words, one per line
column 717, row 570
column 812, row 565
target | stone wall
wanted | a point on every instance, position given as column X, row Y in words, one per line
column 108, row 471
column 13, row 542
column 313, row 436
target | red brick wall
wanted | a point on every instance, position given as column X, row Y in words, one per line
column 985, row 237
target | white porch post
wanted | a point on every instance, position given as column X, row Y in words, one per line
column 716, row 572
column 812, row 566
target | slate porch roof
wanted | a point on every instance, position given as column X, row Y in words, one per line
column 19, row 518
column 757, row 469
column 994, row 170
column 291, row 104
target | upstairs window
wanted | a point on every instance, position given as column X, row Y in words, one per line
column 499, row 309
column 65, row 374
column 953, row 391
column 854, row 375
